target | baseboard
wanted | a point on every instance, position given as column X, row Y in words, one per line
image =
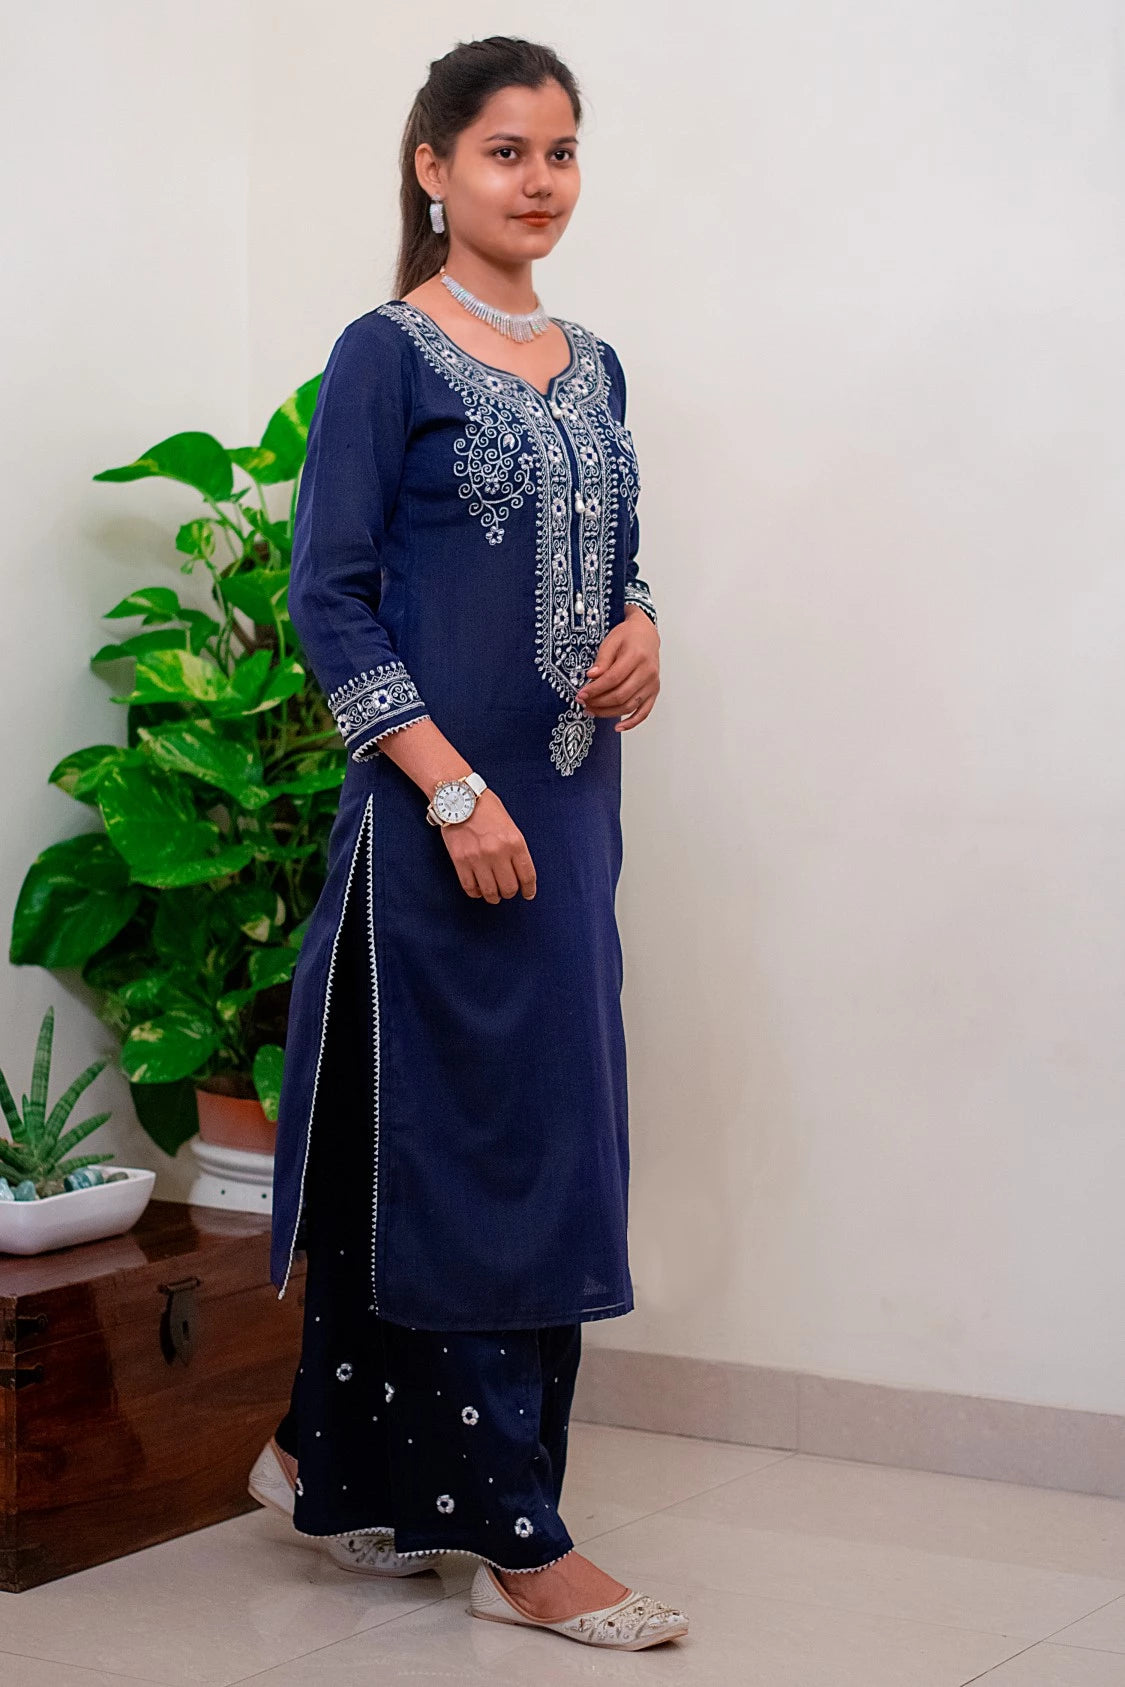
column 962, row 1435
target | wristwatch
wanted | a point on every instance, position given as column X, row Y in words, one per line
column 454, row 799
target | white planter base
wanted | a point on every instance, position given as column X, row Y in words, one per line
column 232, row 1178
column 78, row 1215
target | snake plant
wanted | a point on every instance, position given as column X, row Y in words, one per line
column 38, row 1148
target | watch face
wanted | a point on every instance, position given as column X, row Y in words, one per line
column 454, row 801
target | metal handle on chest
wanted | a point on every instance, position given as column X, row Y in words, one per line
column 177, row 1326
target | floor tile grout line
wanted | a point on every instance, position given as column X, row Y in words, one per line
column 956, row 1628
column 1001, row 1663
column 822, row 1605
column 697, row 1495
column 86, row 1669
column 863, row 1464
column 1078, row 1646
column 301, row 1657
column 956, row 1475
column 772, row 1599
column 681, row 1435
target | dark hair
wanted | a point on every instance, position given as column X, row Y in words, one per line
column 454, row 94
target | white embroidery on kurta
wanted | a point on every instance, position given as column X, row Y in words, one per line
column 512, row 448
column 344, row 1371
column 469, row 1415
column 444, row 1503
column 496, row 479
column 524, row 1527
column 371, row 698
column 638, row 592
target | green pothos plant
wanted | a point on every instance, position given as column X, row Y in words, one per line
column 184, row 909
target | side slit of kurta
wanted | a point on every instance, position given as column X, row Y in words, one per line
column 364, row 833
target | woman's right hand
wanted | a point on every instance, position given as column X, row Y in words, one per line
column 488, row 849
column 489, row 852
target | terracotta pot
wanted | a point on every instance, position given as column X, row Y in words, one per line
column 229, row 1121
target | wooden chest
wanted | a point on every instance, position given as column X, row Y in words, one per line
column 139, row 1378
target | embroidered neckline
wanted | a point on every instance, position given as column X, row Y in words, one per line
column 566, row 451
column 493, row 368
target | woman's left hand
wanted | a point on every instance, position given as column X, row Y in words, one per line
column 624, row 678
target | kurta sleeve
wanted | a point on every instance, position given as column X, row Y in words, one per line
column 353, row 467
column 637, row 590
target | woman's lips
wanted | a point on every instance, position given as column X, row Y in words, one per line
column 535, row 217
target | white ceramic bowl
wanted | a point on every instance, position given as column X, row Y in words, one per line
column 79, row 1215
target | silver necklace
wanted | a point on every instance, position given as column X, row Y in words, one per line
column 515, row 325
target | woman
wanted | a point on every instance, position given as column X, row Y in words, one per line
column 452, row 1146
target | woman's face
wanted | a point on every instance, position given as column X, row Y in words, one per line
column 520, row 156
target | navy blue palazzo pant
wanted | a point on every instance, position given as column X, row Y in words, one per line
column 456, row 1440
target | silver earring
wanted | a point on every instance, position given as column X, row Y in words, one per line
column 437, row 216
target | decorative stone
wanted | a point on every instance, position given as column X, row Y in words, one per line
column 26, row 1191
column 6, row 1190
column 86, row 1177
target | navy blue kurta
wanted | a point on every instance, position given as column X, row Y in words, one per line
column 463, row 542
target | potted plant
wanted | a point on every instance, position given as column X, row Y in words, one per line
column 184, row 909
column 50, row 1198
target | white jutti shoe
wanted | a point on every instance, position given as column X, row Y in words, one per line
column 636, row 1621
column 270, row 1482
column 370, row 1554
column 374, row 1554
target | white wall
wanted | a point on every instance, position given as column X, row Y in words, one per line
column 123, row 290
column 865, row 268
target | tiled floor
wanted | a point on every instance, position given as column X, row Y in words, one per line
column 795, row 1571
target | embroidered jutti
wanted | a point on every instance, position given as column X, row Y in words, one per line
column 463, row 542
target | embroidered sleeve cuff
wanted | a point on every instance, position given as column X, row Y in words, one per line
column 372, row 704
column 638, row 592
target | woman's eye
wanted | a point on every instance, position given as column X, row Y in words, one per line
column 565, row 151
